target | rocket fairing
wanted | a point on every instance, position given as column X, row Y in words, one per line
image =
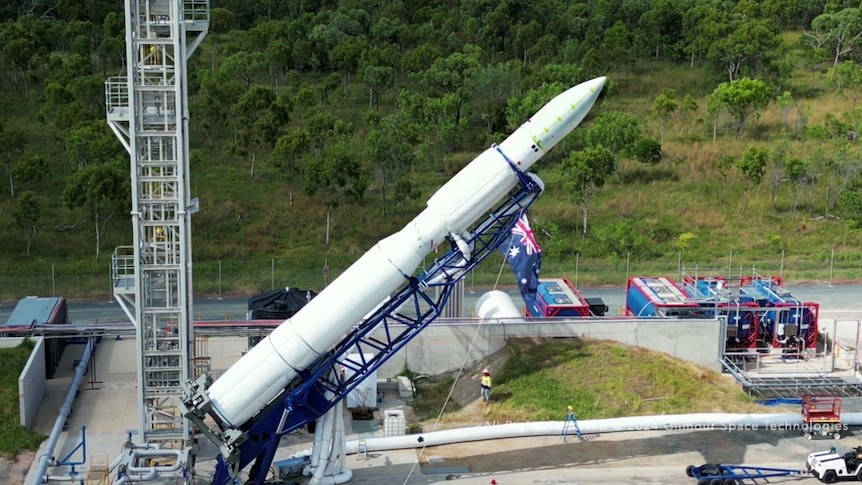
column 259, row 376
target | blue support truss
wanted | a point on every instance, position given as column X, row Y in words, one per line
column 402, row 317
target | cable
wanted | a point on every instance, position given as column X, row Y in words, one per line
column 446, row 401
column 503, row 264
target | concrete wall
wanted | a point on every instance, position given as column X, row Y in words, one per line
column 31, row 382
column 443, row 347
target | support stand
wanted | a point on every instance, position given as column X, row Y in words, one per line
column 571, row 418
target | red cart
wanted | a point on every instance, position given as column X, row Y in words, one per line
column 821, row 416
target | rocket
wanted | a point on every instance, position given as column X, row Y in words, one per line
column 269, row 367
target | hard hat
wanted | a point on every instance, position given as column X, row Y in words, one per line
column 486, row 371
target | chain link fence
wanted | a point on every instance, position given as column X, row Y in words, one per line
column 245, row 277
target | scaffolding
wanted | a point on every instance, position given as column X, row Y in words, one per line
column 148, row 111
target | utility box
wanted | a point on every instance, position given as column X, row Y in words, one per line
column 405, row 387
column 394, row 423
column 290, row 468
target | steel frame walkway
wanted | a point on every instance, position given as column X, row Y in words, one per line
column 792, row 384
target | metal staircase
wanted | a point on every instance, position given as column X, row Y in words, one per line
column 148, row 111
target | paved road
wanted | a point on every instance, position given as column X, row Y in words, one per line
column 842, row 301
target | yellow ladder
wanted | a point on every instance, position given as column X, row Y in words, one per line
column 97, row 474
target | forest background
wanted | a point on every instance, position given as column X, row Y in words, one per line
column 726, row 140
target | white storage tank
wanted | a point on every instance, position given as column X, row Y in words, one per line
column 497, row 305
column 394, row 423
column 363, row 396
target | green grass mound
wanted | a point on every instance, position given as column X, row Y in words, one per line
column 537, row 379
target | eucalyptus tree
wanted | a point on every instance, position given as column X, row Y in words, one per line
column 447, row 77
column 752, row 164
column 287, row 156
column 584, row 172
column 377, row 79
column 30, row 171
column 490, row 88
column 243, row 66
column 18, row 48
column 663, row 106
column 214, row 106
column 101, row 190
column 91, row 143
column 741, row 98
column 278, row 56
column 27, row 213
column 390, row 147
column 521, row 108
column 662, row 28
column 420, row 58
column 13, row 142
column 324, row 128
column 847, row 75
column 798, row 172
column 71, row 95
column 391, row 31
column 702, row 25
column 747, row 45
column 525, row 38
column 336, row 175
column 790, row 14
column 112, row 47
column 837, row 171
column 618, row 46
column 616, row 131
column 345, row 57
column 835, row 33
column 260, row 121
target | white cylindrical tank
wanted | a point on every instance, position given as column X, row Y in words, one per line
column 259, row 376
column 497, row 304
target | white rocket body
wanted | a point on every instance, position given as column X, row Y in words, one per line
column 259, row 376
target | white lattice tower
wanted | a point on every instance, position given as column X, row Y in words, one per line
column 148, row 111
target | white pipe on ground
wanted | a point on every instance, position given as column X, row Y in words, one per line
column 693, row 422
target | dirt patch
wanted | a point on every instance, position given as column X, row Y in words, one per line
column 466, row 392
column 626, row 449
column 14, row 471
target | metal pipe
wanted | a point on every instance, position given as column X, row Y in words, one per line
column 65, row 411
column 152, row 475
column 690, row 422
column 133, row 473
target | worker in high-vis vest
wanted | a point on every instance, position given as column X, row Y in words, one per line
column 486, row 385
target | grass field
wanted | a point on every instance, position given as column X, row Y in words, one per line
column 539, row 379
column 14, row 437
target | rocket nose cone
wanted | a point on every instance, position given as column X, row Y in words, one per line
column 581, row 97
column 595, row 87
column 565, row 112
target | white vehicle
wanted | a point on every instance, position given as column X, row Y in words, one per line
column 829, row 466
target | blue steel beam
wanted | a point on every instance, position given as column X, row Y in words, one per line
column 321, row 386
